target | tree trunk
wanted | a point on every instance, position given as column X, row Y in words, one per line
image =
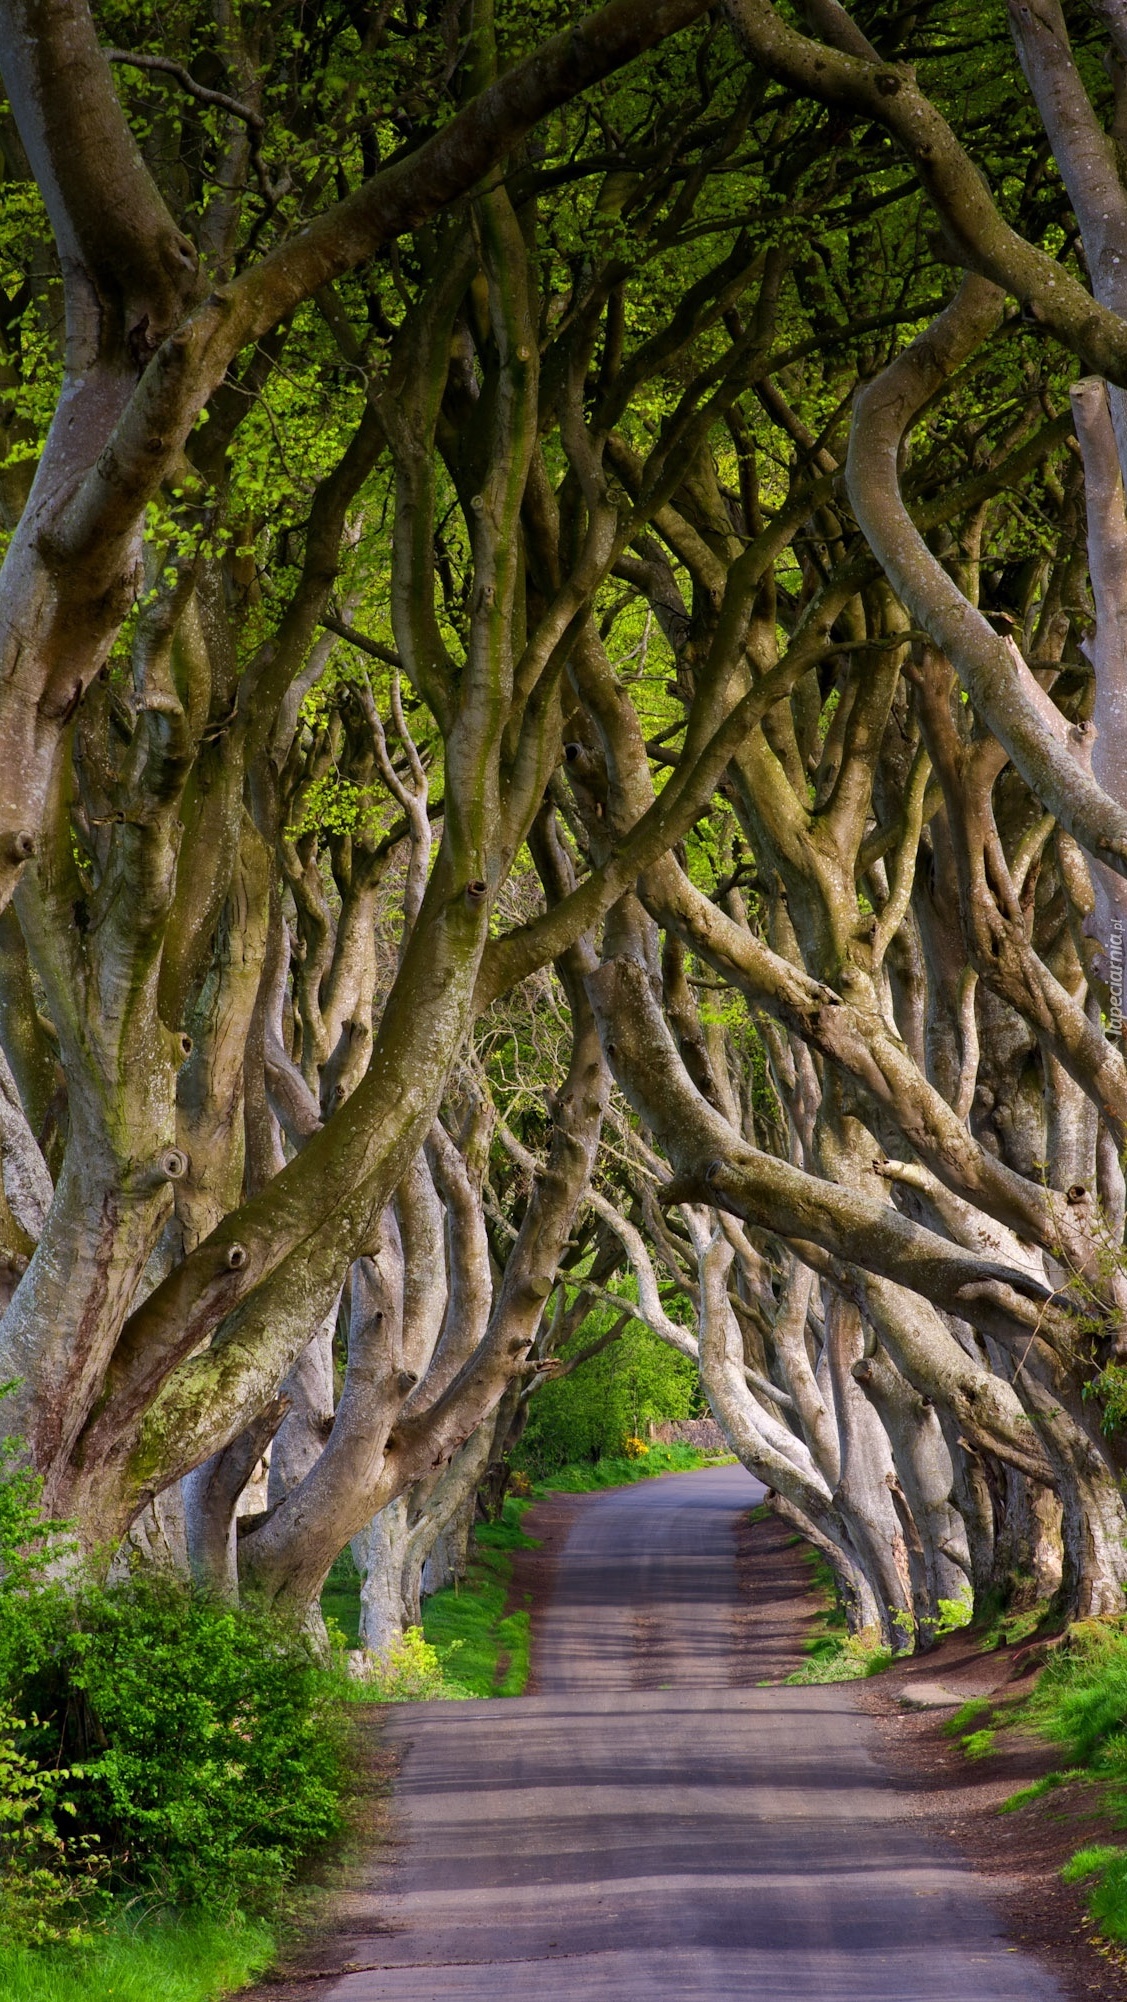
column 380, row 1551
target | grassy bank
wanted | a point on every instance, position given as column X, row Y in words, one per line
column 179, row 1960
column 491, row 1642
column 1080, row 1704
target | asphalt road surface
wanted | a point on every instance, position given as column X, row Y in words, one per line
column 645, row 1830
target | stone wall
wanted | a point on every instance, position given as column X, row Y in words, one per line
column 703, row 1433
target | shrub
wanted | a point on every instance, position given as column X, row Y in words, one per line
column 413, row 1672
column 953, row 1614
column 197, row 1743
column 201, row 1735
column 46, row 1884
column 33, row 1610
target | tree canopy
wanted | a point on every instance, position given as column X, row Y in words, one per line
column 562, row 765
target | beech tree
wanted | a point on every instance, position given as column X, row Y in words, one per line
column 180, row 1269
column 650, row 558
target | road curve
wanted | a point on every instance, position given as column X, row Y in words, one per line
column 645, row 1830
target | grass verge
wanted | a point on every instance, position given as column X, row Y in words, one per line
column 1080, row 1703
column 833, row 1655
column 179, row 1960
column 492, row 1643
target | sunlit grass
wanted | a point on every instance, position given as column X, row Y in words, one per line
column 177, row 1960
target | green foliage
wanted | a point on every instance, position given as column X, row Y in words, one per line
column 177, row 1959
column 1081, row 1700
column 1107, row 1900
column 953, row 1614
column 1110, row 1387
column 31, row 1607
column 46, row 1881
column 493, row 1646
column 589, row 1415
column 492, row 1643
column 196, row 1742
column 414, row 1672
column 847, row 1658
column 202, row 1736
column 46, row 1885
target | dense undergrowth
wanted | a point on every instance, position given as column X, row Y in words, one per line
column 167, row 1763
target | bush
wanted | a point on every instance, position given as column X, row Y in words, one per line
column 413, row 1672
column 196, row 1741
column 33, row 1610
column 201, row 1739
column 46, row 1884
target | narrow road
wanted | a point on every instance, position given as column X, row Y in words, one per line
column 644, row 1830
